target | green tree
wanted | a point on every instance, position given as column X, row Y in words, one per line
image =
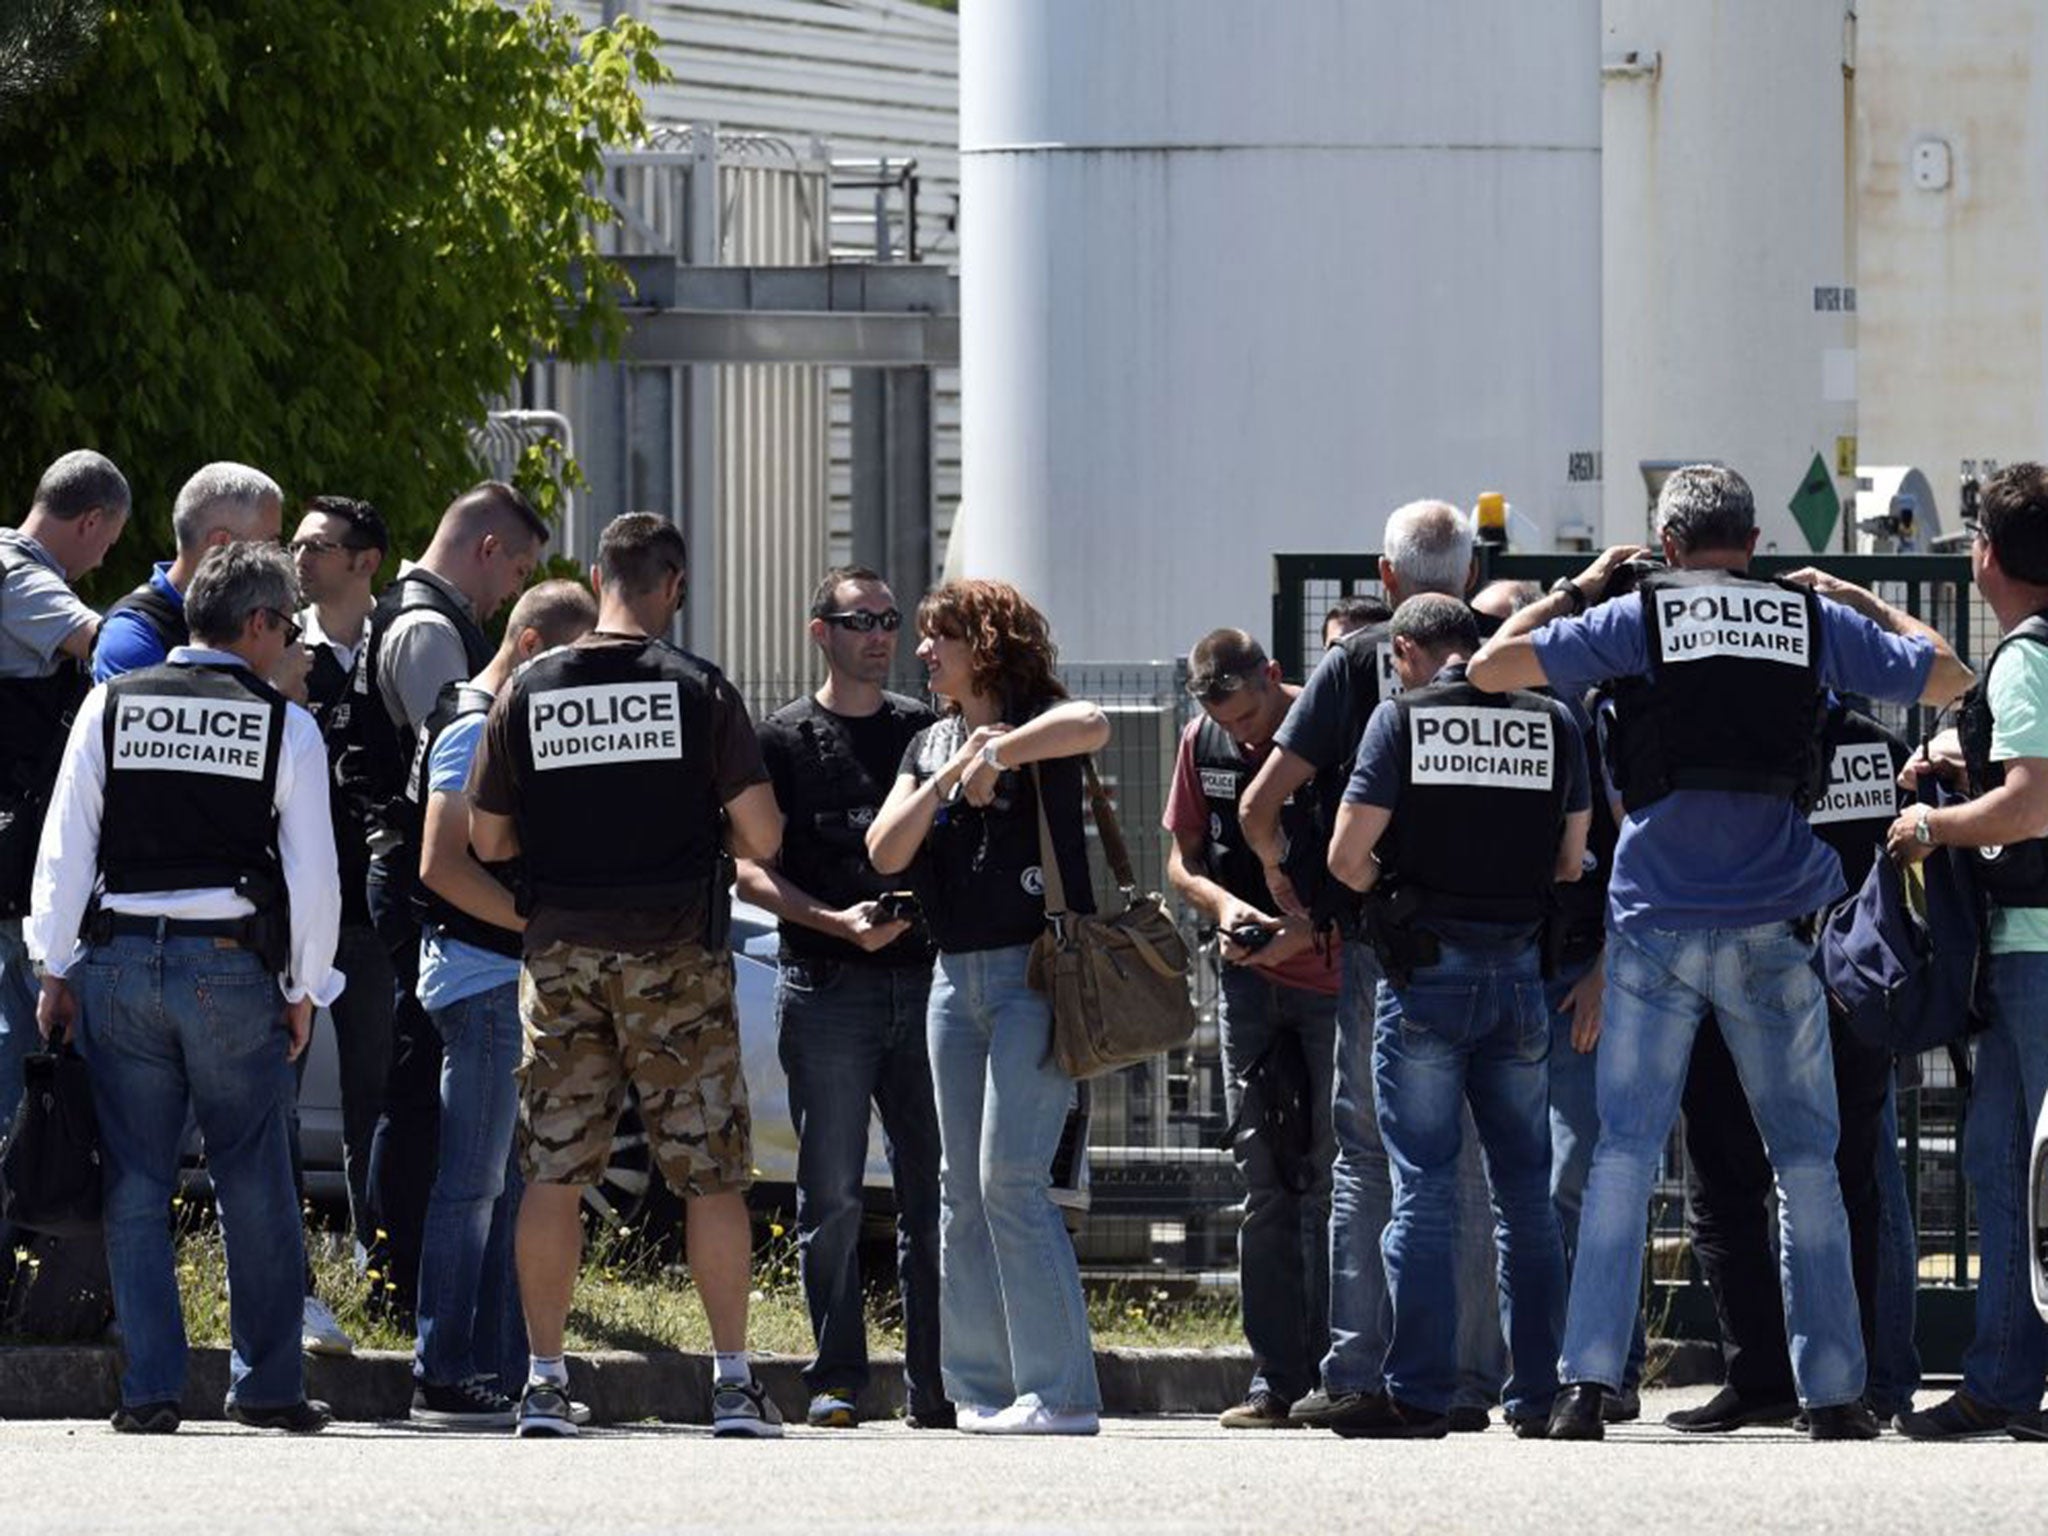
column 315, row 235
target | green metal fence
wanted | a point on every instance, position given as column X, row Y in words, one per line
column 1933, row 588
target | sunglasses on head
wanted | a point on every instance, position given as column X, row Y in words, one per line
column 861, row 621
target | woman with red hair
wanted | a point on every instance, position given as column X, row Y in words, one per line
column 1013, row 1325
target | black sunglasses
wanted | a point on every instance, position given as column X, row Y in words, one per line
column 292, row 627
column 861, row 621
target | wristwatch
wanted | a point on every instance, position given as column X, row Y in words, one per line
column 1923, row 833
column 1572, row 592
column 988, row 755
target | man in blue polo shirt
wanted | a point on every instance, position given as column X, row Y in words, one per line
column 1720, row 687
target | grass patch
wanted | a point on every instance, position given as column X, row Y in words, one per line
column 629, row 1297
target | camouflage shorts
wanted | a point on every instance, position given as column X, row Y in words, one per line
column 663, row 1021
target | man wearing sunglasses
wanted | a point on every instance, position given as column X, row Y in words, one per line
column 850, row 1001
column 184, row 914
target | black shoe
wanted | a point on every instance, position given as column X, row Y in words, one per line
column 1623, row 1407
column 466, row 1405
column 1576, row 1413
column 1387, row 1418
column 944, row 1416
column 305, row 1417
column 2027, row 1426
column 1259, row 1410
column 1468, row 1419
column 1325, row 1410
column 1841, row 1421
column 146, row 1419
column 1726, row 1411
column 1959, row 1417
column 1535, row 1428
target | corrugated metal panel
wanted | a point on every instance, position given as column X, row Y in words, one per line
column 872, row 79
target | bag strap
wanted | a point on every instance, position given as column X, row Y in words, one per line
column 1054, row 886
column 1108, row 830
column 1113, row 847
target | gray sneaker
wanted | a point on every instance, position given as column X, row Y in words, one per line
column 742, row 1410
column 544, row 1412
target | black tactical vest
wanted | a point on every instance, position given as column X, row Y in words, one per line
column 831, row 802
column 1582, row 903
column 1862, row 798
column 165, row 618
column 1481, row 809
column 1368, row 655
column 326, row 691
column 456, row 701
column 2015, row 875
column 376, row 751
column 35, row 722
column 618, row 796
column 1223, row 773
column 192, row 753
column 1734, row 700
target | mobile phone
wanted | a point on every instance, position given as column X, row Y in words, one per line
column 896, row 906
column 1250, row 936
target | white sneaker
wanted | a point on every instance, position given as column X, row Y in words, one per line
column 1025, row 1417
column 320, row 1333
column 970, row 1420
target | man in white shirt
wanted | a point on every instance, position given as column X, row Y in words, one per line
column 184, row 911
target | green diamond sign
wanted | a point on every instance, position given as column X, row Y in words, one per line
column 1815, row 506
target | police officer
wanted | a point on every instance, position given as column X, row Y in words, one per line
column 425, row 632
column 1728, row 1174
column 622, row 769
column 188, row 851
column 1716, row 753
column 851, row 996
column 1463, row 811
column 1277, row 1011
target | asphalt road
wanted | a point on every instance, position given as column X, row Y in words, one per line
column 1139, row 1476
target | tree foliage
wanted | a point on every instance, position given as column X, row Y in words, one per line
column 315, row 235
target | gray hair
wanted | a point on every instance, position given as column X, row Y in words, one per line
column 1437, row 624
column 79, row 482
column 235, row 580
column 224, row 495
column 1704, row 506
column 1429, row 545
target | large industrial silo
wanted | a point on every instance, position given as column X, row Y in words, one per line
column 1240, row 277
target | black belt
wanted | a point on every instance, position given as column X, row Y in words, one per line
column 134, row 925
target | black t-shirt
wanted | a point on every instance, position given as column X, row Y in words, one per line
column 979, row 876
column 831, row 774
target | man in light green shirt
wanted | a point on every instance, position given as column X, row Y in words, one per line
column 2004, row 740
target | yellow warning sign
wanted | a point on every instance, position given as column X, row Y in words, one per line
column 1845, row 456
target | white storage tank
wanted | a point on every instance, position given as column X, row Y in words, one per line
column 1239, row 278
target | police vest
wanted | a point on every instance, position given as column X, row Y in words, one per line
column 35, row 722
column 1862, row 798
column 192, row 753
column 376, row 751
column 1582, row 903
column 1367, row 655
column 1226, row 858
column 832, row 801
column 456, row 701
column 1734, row 700
column 2015, row 875
column 618, row 799
column 166, row 619
column 326, row 691
column 1481, row 805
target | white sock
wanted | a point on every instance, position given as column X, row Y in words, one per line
column 731, row 1368
column 551, row 1369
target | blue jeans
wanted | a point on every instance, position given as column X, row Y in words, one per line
column 167, row 1025
column 1470, row 1029
column 1283, row 1252
column 469, row 1319
column 1760, row 983
column 1361, row 1205
column 2008, row 1354
column 1574, row 1130
column 1012, row 1321
column 1894, row 1356
column 852, row 1042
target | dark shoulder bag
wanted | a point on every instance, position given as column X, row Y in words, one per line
column 50, row 1162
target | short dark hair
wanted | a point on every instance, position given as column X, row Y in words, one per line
column 78, row 482
column 638, row 551
column 560, row 609
column 1357, row 612
column 2012, row 511
column 366, row 528
column 1704, row 506
column 833, row 580
column 235, row 580
column 1223, row 661
column 1437, row 624
column 492, row 506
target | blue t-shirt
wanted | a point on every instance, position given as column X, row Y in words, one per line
column 1376, row 777
column 127, row 643
column 451, row 970
column 1712, row 858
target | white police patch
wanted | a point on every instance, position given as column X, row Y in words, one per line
column 1219, row 784
column 605, row 723
column 1033, row 881
column 1860, row 785
column 1751, row 623
column 175, row 733
column 1488, row 748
